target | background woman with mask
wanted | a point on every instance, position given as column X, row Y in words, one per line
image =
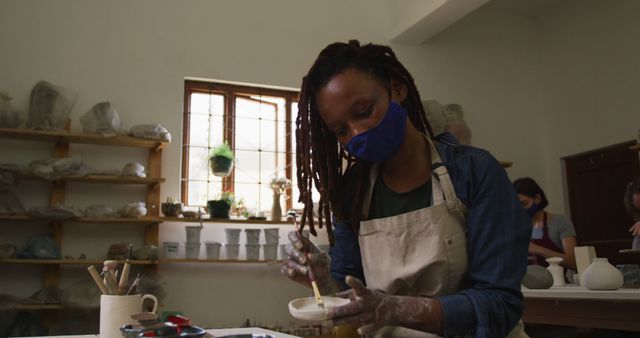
column 553, row 235
column 428, row 234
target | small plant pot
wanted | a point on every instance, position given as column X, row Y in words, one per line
column 218, row 209
column 220, row 166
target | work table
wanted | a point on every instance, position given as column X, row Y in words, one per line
column 573, row 305
column 214, row 332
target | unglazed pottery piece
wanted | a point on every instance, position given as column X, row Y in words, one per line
column 601, row 275
column 307, row 309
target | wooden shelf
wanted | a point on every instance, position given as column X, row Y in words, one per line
column 69, row 261
column 224, row 220
column 506, row 164
column 218, row 261
column 635, row 147
column 68, row 137
column 143, row 220
column 100, row 179
column 28, row 307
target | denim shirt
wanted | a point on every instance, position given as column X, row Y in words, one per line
column 497, row 243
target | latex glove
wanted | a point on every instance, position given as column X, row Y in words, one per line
column 371, row 309
column 302, row 256
column 635, row 229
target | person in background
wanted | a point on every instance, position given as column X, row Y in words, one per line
column 428, row 234
column 553, row 235
column 632, row 203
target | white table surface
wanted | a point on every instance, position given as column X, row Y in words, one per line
column 580, row 292
column 216, row 333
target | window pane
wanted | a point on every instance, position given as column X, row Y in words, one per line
column 282, row 136
column 247, row 166
column 198, row 130
column 215, row 188
column 250, row 192
column 198, row 163
column 217, row 104
column 267, row 166
column 281, row 164
column 247, row 131
column 199, row 103
column 216, row 130
column 247, row 108
column 197, row 193
column 266, row 197
column 267, row 135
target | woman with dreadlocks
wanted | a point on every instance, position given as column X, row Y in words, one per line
column 433, row 228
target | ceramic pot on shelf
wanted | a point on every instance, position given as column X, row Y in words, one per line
column 601, row 275
column 276, row 209
column 557, row 272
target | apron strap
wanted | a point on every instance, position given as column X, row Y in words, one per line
column 442, row 188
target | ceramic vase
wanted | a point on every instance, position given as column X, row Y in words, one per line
column 276, row 209
column 601, row 275
column 557, row 272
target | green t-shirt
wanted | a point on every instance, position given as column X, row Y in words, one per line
column 386, row 202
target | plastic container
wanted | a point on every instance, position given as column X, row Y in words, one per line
column 192, row 250
column 270, row 252
column 193, row 234
column 233, row 235
column 252, row 235
column 232, row 251
column 283, row 251
column 253, row 252
column 213, row 250
column 272, row 236
column 171, row 250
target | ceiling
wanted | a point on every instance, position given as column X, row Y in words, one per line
column 532, row 9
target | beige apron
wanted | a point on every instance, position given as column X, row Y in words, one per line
column 419, row 253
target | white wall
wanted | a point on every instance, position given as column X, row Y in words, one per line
column 136, row 54
column 486, row 63
column 589, row 56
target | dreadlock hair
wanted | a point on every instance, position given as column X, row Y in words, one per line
column 320, row 159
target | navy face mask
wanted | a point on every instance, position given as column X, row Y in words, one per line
column 533, row 209
column 381, row 142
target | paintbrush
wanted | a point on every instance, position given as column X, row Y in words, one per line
column 124, row 277
column 312, row 277
column 134, row 284
column 96, row 278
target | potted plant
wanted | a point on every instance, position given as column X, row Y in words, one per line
column 221, row 160
column 220, row 208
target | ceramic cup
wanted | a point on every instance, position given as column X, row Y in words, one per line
column 253, row 236
column 213, row 250
column 232, row 250
column 192, row 250
column 193, row 234
column 272, row 236
column 116, row 311
column 171, row 249
column 233, row 235
column 270, row 252
column 253, row 252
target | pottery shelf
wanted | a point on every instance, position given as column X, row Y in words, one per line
column 26, row 218
column 29, row 307
column 105, row 179
column 81, row 138
column 61, row 141
column 69, row 261
column 219, row 261
column 223, row 220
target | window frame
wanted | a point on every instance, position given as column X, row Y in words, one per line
column 231, row 92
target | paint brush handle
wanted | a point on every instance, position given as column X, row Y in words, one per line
column 124, row 277
column 112, row 286
column 96, row 278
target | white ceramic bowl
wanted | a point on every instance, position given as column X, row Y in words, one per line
column 307, row 309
